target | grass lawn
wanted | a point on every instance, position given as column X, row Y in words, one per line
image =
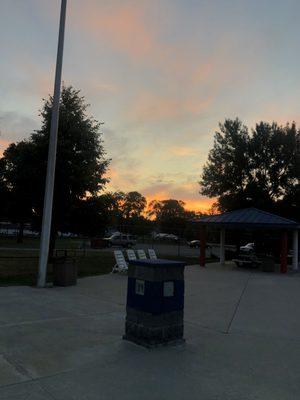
column 34, row 243
column 20, row 267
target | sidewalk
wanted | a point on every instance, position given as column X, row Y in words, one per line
column 242, row 333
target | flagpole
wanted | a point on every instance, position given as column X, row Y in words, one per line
column 50, row 177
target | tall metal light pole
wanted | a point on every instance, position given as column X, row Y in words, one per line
column 48, row 199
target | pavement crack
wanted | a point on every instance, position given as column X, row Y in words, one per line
column 17, row 366
column 238, row 304
column 45, row 390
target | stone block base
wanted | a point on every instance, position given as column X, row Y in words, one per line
column 152, row 330
column 152, row 345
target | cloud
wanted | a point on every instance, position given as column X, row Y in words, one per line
column 176, row 186
column 124, row 181
column 124, row 171
column 147, row 34
column 187, row 193
column 183, row 151
column 283, row 112
column 93, row 86
column 120, row 25
column 3, row 145
column 120, row 149
column 31, row 80
column 156, row 73
column 14, row 126
column 202, row 205
column 203, row 72
column 161, row 186
column 156, row 108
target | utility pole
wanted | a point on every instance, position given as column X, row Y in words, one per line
column 48, row 199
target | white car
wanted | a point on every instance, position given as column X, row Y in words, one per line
column 120, row 239
column 171, row 237
column 165, row 236
column 158, row 236
column 248, row 247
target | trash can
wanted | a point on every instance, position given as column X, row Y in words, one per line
column 155, row 302
column 64, row 271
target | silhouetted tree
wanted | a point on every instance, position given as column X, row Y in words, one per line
column 133, row 205
column 90, row 217
column 19, row 173
column 123, row 206
column 4, row 193
column 260, row 169
column 80, row 167
column 170, row 215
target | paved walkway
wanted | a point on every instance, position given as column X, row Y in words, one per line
column 242, row 331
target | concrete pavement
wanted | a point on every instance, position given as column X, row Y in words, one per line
column 242, row 330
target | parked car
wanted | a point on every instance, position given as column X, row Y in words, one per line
column 247, row 259
column 165, row 236
column 194, row 244
column 290, row 256
column 159, row 236
column 120, row 239
column 247, row 248
column 171, row 236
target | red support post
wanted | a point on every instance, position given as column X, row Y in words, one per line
column 283, row 253
column 202, row 245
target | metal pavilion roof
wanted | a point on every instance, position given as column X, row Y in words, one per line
column 248, row 218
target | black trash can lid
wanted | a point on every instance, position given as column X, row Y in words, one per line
column 158, row 262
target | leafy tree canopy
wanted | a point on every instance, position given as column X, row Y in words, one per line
column 170, row 215
column 166, row 209
column 134, row 205
column 260, row 169
column 80, row 167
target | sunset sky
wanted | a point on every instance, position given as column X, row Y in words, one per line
column 161, row 74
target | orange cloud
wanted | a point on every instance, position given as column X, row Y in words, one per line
column 122, row 178
column 183, row 151
column 200, row 205
column 203, row 72
column 149, row 106
column 154, row 107
column 43, row 78
column 126, row 28
column 159, row 188
column 281, row 113
column 112, row 173
column 3, row 146
column 122, row 26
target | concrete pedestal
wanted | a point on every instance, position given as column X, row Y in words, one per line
column 155, row 302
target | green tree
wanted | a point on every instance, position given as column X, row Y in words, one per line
column 226, row 172
column 90, row 216
column 123, row 206
column 260, row 169
column 18, row 174
column 4, row 193
column 133, row 205
column 170, row 215
column 81, row 160
column 113, row 203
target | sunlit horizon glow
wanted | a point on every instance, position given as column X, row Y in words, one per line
column 160, row 74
